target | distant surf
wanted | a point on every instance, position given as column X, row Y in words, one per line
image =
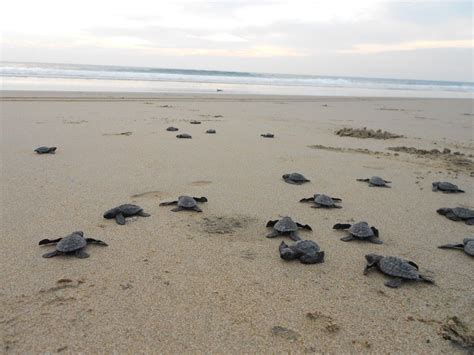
column 75, row 77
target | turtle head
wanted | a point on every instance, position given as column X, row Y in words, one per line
column 81, row 233
column 443, row 211
column 373, row 259
column 286, row 176
column 52, row 149
column 110, row 213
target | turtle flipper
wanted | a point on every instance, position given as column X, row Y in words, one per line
column 200, row 199
column 143, row 214
column 120, row 219
column 304, row 226
column 470, row 222
column 394, row 283
column 81, row 254
column 375, row 240
column 51, row 254
column 177, row 209
column 271, row 223
column 317, row 205
column 197, row 209
column 49, row 241
column 364, row 180
column 291, row 182
column 336, row 199
column 341, row 226
column 336, row 206
column 168, row 203
column 96, row 241
column 347, row 238
column 313, row 259
column 450, row 215
column 273, row 234
column 426, row 279
column 309, row 199
column 294, row 236
column 452, row 246
column 368, row 267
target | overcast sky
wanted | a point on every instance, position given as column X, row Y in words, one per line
column 394, row 39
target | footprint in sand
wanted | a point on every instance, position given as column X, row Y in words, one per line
column 201, row 183
column 153, row 194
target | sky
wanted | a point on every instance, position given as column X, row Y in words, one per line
column 430, row 40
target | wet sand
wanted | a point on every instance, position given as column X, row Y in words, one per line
column 211, row 282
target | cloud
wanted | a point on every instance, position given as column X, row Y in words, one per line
column 370, row 48
column 221, row 37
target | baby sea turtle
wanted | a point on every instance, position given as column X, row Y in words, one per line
column 286, row 226
column 458, row 214
column 467, row 245
column 172, row 129
column 211, row 131
column 307, row 251
column 445, row 187
column 322, row 201
column 46, row 150
column 126, row 210
column 376, row 181
column 399, row 269
column 185, row 203
column 268, row 135
column 184, row 135
column 195, row 122
column 295, row 178
column 74, row 243
column 360, row 231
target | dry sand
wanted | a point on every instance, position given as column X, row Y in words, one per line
column 211, row 282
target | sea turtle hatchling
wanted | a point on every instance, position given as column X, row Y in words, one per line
column 399, row 269
column 123, row 211
column 295, row 178
column 74, row 243
column 376, row 181
column 185, row 203
column 46, row 150
column 184, row 135
column 322, row 201
column 467, row 245
column 458, row 214
column 445, row 187
column 211, row 131
column 361, row 231
column 172, row 129
column 195, row 122
column 307, row 251
column 268, row 135
column 286, row 226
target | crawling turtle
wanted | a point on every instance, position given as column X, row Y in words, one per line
column 322, row 201
column 376, row 181
column 360, row 231
column 172, row 129
column 467, row 245
column 74, row 243
column 195, row 122
column 445, row 187
column 211, row 131
column 126, row 210
column 307, row 251
column 184, row 135
column 267, row 135
column 295, row 178
column 46, row 150
column 286, row 226
column 398, row 268
column 185, row 203
column 458, row 214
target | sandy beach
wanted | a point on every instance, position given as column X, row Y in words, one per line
column 211, row 282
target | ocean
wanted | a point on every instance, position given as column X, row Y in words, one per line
column 76, row 77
